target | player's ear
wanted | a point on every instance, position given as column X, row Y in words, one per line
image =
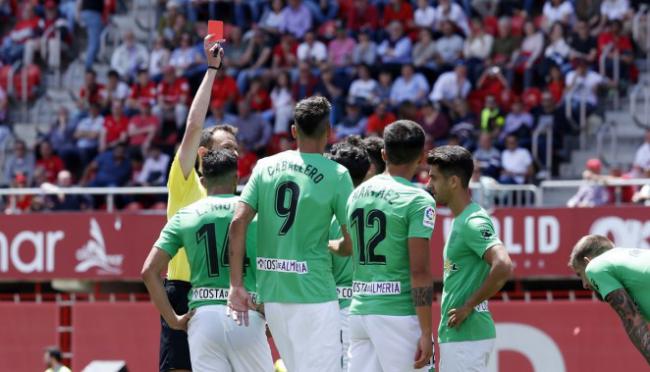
column 202, row 151
column 587, row 260
column 384, row 157
column 204, row 183
column 294, row 131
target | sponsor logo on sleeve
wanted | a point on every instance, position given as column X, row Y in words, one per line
column 429, row 219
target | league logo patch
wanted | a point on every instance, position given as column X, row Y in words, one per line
column 429, row 219
column 486, row 232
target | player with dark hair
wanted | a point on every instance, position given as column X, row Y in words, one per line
column 215, row 342
column 295, row 194
column 374, row 145
column 352, row 154
column 391, row 222
column 620, row 277
column 54, row 360
column 476, row 265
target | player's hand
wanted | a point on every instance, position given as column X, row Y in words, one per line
column 180, row 321
column 457, row 316
column 213, row 51
column 239, row 302
column 424, row 351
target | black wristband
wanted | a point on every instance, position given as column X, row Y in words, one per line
column 213, row 68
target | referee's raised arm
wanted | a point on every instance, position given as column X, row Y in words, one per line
column 199, row 107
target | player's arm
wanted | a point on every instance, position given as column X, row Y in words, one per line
column 239, row 299
column 500, row 271
column 153, row 267
column 633, row 322
column 422, row 294
column 198, row 110
column 342, row 246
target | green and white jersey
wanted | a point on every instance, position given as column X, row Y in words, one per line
column 295, row 195
column 202, row 228
column 627, row 268
column 341, row 269
column 472, row 234
column 383, row 213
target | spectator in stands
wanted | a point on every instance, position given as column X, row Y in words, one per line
column 333, row 88
column 464, row 123
column 142, row 129
column 129, row 56
column 555, row 84
column 111, row 168
column 285, row 53
column 218, row 115
column 160, row 56
column 591, row 193
column 449, row 47
column 424, row 52
column 273, row 19
column 435, row 124
column 616, row 10
column 90, row 17
column 306, row 83
column 400, row 11
column 362, row 15
column 353, row 123
column 341, row 49
column 425, row 15
column 87, row 134
column 282, row 102
column 487, row 157
column 253, row 131
column 115, row 90
column 643, row 195
column 385, row 85
column 116, row 127
column 396, row 49
column 143, row 90
column 323, row 11
column 410, row 86
column 379, row 120
column 582, row 85
column 61, row 136
column 557, row 11
column 91, row 91
column 583, row 45
column 297, row 18
column 173, row 95
column 245, row 164
column 557, row 52
column 49, row 161
column 448, row 10
column 65, row 202
column 642, row 158
column 516, row 162
column 22, row 38
column 224, row 90
column 518, row 123
column 54, row 360
column 620, row 44
column 255, row 60
column 363, row 89
column 451, row 85
column 312, row 50
column 258, row 96
column 365, row 52
column 3, row 105
column 505, row 44
column 523, row 60
column 492, row 119
column 154, row 170
column 477, row 48
column 185, row 58
column 20, row 162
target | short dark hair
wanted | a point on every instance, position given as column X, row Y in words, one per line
column 54, row 353
column 207, row 133
column 453, row 161
column 219, row 164
column 589, row 246
column 312, row 116
column 374, row 145
column 351, row 153
column 403, row 141
column 113, row 73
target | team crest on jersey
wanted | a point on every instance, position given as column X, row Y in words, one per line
column 450, row 267
column 429, row 219
column 486, row 232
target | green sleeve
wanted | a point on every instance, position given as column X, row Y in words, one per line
column 343, row 191
column 251, row 191
column 601, row 278
column 170, row 239
column 421, row 217
column 335, row 230
column 479, row 234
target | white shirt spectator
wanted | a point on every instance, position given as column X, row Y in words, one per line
column 584, row 86
column 478, row 47
column 425, row 18
column 120, row 92
column 283, row 103
column 450, row 48
column 642, row 158
column 315, row 52
column 414, row 90
column 159, row 59
column 516, row 161
column 401, row 51
column 558, row 48
column 364, row 89
column 558, row 13
column 614, row 9
column 183, row 58
column 272, row 20
column 447, row 88
column 455, row 15
column 127, row 59
column 154, row 170
column 89, row 124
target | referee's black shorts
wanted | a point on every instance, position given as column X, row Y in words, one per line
column 174, row 349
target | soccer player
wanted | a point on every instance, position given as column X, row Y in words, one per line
column 184, row 189
column 54, row 361
column 374, row 145
column 391, row 222
column 620, row 276
column 216, row 343
column 476, row 265
column 295, row 194
column 352, row 154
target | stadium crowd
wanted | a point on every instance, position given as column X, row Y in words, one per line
column 484, row 74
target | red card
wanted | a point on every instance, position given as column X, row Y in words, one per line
column 215, row 28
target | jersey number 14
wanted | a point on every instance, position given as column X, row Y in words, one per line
column 207, row 235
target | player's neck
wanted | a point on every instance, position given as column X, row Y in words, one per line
column 310, row 146
column 406, row 171
column 459, row 202
column 221, row 190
